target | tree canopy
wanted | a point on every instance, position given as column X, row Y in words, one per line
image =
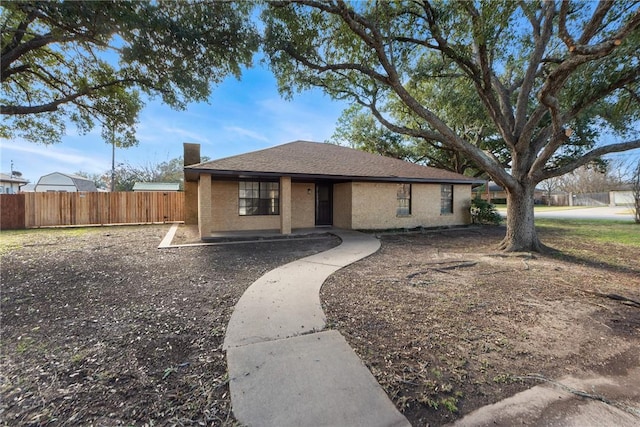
column 126, row 175
column 525, row 90
column 360, row 130
column 88, row 62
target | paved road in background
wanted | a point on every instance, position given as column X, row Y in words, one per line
column 617, row 213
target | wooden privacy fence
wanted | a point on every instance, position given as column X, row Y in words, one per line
column 12, row 211
column 54, row 209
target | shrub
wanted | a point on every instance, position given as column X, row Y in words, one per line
column 483, row 212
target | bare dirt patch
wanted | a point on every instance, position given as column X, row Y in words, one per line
column 448, row 325
column 99, row 327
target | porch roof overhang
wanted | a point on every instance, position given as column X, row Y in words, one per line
column 227, row 175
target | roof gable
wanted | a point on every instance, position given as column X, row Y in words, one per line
column 81, row 183
column 323, row 160
column 8, row 178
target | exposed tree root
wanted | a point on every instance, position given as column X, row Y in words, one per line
column 616, row 297
column 507, row 245
column 630, row 409
column 462, row 264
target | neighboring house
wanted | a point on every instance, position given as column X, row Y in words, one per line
column 156, row 186
column 10, row 184
column 497, row 194
column 61, row 182
column 308, row 184
column 28, row 188
column 622, row 196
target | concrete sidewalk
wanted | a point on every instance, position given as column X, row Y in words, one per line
column 556, row 404
column 282, row 370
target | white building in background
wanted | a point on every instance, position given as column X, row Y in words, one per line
column 11, row 184
column 156, row 186
column 61, row 182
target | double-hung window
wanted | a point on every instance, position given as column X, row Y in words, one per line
column 259, row 198
column 403, row 196
column 446, row 199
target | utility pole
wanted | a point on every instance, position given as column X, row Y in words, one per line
column 113, row 161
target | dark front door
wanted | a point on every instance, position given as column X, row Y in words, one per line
column 324, row 204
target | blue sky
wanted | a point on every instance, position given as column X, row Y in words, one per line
column 241, row 116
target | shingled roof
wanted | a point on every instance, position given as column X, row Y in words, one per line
column 313, row 160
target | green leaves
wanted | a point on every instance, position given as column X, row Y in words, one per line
column 89, row 62
column 499, row 82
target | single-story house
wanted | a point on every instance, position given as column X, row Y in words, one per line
column 10, row 184
column 308, row 184
column 497, row 194
column 62, row 182
column 156, row 186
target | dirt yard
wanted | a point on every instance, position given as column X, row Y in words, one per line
column 99, row 327
column 448, row 325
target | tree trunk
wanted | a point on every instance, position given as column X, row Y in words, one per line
column 521, row 230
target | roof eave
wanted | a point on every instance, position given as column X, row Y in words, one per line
column 230, row 174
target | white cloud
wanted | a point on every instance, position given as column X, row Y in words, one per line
column 246, row 132
column 311, row 118
column 159, row 133
column 33, row 160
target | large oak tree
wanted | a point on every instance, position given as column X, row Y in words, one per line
column 550, row 77
column 87, row 62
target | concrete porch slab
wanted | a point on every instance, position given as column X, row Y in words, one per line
column 240, row 235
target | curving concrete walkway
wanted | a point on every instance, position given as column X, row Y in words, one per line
column 282, row 370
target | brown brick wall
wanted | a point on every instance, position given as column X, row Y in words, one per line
column 342, row 202
column 374, row 206
column 355, row 205
column 190, row 202
column 225, row 217
column 303, row 205
column 205, row 219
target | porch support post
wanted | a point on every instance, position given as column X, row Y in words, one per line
column 204, row 205
column 285, row 205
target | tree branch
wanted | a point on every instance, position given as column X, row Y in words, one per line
column 53, row 106
column 583, row 103
column 484, row 82
column 19, row 32
column 596, row 21
column 541, row 40
column 16, row 70
column 590, row 156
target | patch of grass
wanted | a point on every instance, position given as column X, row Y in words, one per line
column 450, row 403
column 545, row 208
column 24, row 344
column 11, row 240
column 503, row 379
column 597, row 231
